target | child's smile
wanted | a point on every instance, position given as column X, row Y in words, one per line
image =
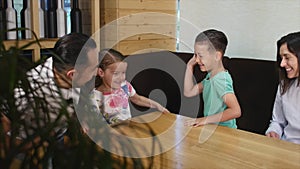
column 115, row 75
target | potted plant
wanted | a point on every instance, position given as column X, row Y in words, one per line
column 29, row 141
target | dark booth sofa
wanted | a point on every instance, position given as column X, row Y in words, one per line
column 159, row 75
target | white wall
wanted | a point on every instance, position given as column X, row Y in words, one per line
column 252, row 26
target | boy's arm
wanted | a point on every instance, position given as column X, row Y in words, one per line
column 233, row 111
column 190, row 89
column 146, row 102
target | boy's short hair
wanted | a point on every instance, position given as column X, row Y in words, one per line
column 214, row 38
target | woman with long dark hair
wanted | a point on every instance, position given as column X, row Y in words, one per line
column 285, row 123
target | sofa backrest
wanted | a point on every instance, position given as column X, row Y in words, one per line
column 163, row 71
column 255, row 84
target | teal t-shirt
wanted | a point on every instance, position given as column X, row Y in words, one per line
column 213, row 91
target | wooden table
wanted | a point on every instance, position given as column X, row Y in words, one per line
column 209, row 146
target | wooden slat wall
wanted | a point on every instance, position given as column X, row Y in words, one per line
column 136, row 26
column 85, row 7
column 147, row 4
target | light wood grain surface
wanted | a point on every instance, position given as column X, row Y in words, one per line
column 209, row 146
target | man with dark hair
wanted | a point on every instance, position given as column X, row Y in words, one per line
column 46, row 98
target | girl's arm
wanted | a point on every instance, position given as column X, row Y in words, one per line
column 146, row 102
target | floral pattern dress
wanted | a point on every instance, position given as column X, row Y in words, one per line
column 114, row 105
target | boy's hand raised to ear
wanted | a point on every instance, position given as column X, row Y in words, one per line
column 192, row 62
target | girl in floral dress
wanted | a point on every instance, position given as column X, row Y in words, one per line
column 113, row 93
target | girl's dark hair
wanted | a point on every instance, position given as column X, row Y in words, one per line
column 106, row 58
column 68, row 48
column 293, row 44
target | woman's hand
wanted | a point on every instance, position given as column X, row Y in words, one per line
column 272, row 134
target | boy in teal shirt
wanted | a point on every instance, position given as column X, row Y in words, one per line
column 220, row 103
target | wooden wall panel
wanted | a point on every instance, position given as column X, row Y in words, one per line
column 124, row 31
column 147, row 18
column 128, row 47
column 124, row 12
column 108, row 16
column 149, row 36
column 140, row 39
column 148, row 4
column 106, row 4
column 132, row 28
column 85, row 7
